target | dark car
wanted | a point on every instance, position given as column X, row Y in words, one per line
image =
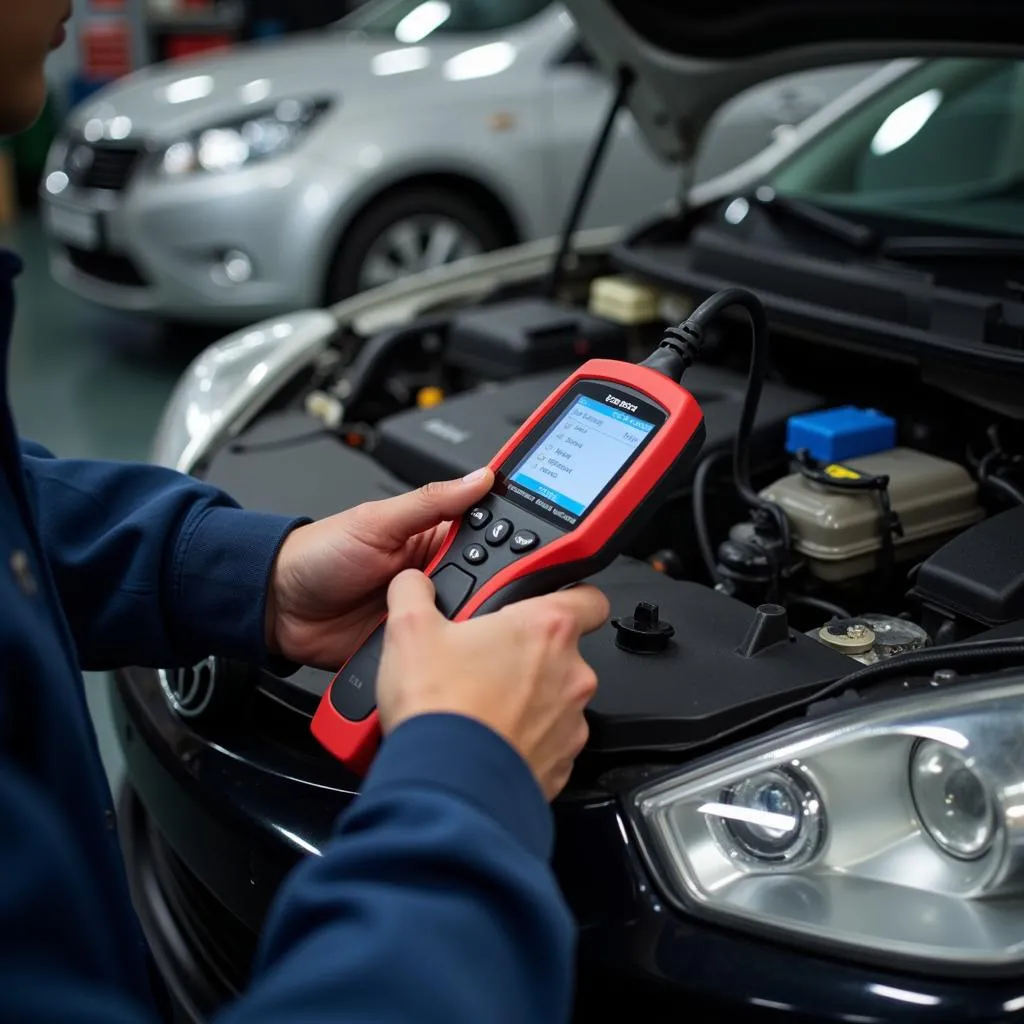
column 806, row 801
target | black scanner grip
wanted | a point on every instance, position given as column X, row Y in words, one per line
column 354, row 693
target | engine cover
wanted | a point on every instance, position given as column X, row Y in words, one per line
column 690, row 691
column 700, row 684
column 464, row 432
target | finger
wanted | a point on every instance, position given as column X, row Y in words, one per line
column 557, row 780
column 406, row 515
column 585, row 606
column 411, row 599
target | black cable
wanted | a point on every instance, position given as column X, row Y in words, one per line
column 371, row 356
column 755, row 383
column 700, row 509
column 989, row 478
column 696, row 323
column 679, row 349
column 254, row 447
column 819, row 604
column 1005, row 488
column 968, row 657
column 586, row 182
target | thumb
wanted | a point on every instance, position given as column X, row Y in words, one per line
column 409, row 514
column 411, row 597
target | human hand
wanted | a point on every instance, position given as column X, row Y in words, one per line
column 329, row 583
column 519, row 670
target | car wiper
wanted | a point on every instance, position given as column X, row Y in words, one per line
column 951, row 247
column 831, row 225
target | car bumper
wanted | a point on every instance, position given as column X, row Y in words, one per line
column 210, row 833
column 159, row 247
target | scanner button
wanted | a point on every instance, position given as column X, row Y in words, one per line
column 497, row 532
column 475, row 554
column 452, row 586
column 523, row 540
column 478, row 518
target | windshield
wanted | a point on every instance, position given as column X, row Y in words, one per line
column 412, row 21
column 943, row 145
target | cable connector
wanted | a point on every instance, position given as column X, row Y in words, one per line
column 677, row 351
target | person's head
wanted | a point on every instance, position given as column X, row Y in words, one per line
column 29, row 30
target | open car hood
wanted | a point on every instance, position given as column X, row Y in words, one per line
column 687, row 59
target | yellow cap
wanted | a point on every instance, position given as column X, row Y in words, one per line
column 427, row 398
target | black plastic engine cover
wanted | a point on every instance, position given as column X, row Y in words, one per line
column 696, row 687
column 454, row 438
column 509, row 339
column 699, row 685
column 283, row 464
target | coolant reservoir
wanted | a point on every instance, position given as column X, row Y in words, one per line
column 839, row 533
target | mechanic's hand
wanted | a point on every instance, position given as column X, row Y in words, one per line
column 329, row 584
column 518, row 671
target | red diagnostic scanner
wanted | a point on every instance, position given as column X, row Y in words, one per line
column 572, row 488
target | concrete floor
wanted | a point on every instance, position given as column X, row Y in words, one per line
column 87, row 383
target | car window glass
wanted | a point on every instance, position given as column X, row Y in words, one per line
column 412, row 21
column 945, row 144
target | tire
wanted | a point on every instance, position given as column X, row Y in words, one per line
column 398, row 232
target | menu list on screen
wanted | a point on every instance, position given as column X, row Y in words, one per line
column 579, row 455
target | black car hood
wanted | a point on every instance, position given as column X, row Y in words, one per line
column 689, row 58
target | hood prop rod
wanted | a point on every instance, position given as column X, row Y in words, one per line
column 585, row 185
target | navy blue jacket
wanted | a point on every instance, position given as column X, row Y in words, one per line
column 434, row 902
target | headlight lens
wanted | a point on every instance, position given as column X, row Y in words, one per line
column 896, row 827
column 231, row 147
column 952, row 802
column 233, row 379
column 773, row 819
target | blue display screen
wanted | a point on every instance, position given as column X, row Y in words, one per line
column 580, row 454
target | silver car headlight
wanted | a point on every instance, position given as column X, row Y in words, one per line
column 897, row 828
column 229, row 147
column 229, row 382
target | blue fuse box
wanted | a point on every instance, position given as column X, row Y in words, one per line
column 833, row 435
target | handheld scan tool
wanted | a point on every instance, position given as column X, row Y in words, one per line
column 572, row 487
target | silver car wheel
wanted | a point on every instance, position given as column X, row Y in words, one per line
column 414, row 244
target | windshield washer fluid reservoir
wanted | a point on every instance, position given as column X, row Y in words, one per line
column 839, row 532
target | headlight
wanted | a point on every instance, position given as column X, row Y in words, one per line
column 230, row 147
column 896, row 828
column 231, row 380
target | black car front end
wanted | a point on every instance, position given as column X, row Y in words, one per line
column 227, row 789
column 210, row 834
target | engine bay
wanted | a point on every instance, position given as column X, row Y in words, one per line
column 899, row 499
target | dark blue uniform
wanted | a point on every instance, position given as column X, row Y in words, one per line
column 433, row 903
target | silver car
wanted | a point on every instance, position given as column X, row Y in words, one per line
column 411, row 134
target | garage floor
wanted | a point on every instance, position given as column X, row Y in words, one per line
column 87, row 383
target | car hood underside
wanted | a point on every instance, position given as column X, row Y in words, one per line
column 688, row 59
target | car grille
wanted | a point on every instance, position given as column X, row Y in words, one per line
column 106, row 266
column 216, row 937
column 104, row 167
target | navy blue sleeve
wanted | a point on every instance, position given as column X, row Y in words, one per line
column 152, row 567
column 57, row 960
column 434, row 903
